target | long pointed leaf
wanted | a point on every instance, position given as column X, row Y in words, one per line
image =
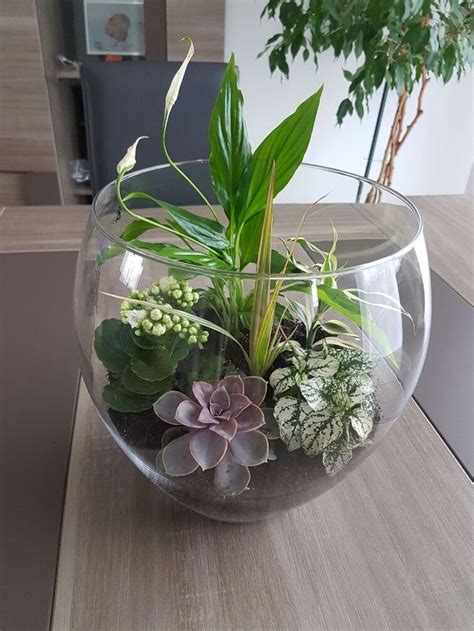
column 285, row 146
column 229, row 146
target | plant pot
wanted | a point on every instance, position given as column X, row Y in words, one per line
column 362, row 381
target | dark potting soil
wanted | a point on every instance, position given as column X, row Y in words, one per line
column 143, row 430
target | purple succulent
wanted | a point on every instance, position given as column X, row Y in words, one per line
column 223, row 433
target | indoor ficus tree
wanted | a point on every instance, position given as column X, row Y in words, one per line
column 401, row 44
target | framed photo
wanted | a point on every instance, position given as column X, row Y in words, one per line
column 114, row 27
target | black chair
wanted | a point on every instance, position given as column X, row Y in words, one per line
column 125, row 100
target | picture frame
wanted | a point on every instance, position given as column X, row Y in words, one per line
column 114, row 27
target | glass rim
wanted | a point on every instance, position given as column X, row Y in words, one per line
column 210, row 271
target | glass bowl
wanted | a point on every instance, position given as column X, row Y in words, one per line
column 363, row 380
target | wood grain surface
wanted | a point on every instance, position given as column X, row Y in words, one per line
column 449, row 233
column 37, row 228
column 203, row 21
column 26, row 133
column 388, row 548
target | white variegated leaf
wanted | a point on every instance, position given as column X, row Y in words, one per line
column 314, row 392
column 336, row 327
column 340, row 399
column 336, row 456
column 287, row 415
column 281, row 380
column 354, row 361
column 362, row 422
column 322, row 364
column 358, row 387
column 318, row 429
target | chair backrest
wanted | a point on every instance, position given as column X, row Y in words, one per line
column 125, row 100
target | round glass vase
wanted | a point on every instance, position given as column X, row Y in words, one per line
column 165, row 344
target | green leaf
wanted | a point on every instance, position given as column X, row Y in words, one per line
column 341, row 302
column 153, row 365
column 206, row 231
column 180, row 350
column 137, row 227
column 132, row 382
column 249, row 240
column 336, row 456
column 336, row 327
column 282, row 380
column 127, row 339
column 345, row 108
column 146, row 342
column 122, row 400
column 361, row 422
column 285, row 147
column 180, row 254
column 109, row 252
column 108, row 345
column 230, row 150
column 287, row 413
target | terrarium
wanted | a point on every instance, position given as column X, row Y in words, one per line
column 248, row 333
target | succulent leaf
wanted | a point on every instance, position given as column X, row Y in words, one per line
column 230, row 478
column 255, row 389
column 176, row 456
column 250, row 418
column 167, row 405
column 187, row 414
column 249, row 448
column 207, row 448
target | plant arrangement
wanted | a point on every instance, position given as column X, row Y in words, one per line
column 227, row 370
column 399, row 44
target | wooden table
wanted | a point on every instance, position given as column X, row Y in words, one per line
column 388, row 548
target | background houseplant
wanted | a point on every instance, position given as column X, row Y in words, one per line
column 399, row 44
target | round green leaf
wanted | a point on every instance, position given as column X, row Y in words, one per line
column 141, row 386
column 125, row 401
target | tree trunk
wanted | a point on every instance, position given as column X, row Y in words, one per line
column 396, row 139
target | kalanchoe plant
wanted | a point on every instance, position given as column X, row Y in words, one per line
column 223, row 424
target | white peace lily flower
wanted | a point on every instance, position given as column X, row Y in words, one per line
column 135, row 316
column 129, row 160
column 175, row 85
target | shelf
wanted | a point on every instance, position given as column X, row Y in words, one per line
column 67, row 75
column 83, row 190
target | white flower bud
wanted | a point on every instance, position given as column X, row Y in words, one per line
column 128, row 162
column 159, row 329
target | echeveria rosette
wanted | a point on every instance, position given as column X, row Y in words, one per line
column 223, row 431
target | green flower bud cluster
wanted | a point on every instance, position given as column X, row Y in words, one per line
column 156, row 318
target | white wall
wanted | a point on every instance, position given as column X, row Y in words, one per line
column 437, row 156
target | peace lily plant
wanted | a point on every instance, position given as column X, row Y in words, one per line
column 229, row 370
